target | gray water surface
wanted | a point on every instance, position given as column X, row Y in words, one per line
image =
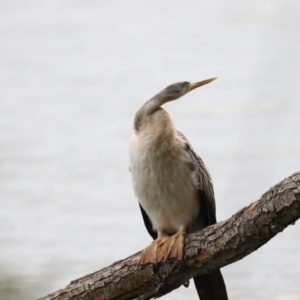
column 72, row 75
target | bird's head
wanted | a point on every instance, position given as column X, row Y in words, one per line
column 177, row 90
column 170, row 93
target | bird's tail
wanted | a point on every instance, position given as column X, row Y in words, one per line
column 211, row 286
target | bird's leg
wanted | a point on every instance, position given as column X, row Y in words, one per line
column 172, row 247
column 149, row 254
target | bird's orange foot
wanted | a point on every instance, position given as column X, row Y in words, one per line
column 149, row 254
column 172, row 247
column 164, row 247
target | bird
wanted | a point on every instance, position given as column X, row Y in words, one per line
column 172, row 184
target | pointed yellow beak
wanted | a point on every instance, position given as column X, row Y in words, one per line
column 200, row 83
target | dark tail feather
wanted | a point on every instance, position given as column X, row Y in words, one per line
column 211, row 286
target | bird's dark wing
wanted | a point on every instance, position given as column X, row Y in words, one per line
column 148, row 224
column 203, row 184
column 209, row 286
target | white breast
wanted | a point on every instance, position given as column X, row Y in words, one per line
column 163, row 184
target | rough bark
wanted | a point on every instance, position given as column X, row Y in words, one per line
column 211, row 248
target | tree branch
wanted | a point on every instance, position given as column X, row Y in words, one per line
column 207, row 250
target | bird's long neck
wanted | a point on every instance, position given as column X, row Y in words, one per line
column 154, row 126
column 149, row 108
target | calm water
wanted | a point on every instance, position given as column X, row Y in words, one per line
column 72, row 75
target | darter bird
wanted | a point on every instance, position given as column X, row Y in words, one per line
column 172, row 184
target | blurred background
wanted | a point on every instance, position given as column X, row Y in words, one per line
column 72, row 76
